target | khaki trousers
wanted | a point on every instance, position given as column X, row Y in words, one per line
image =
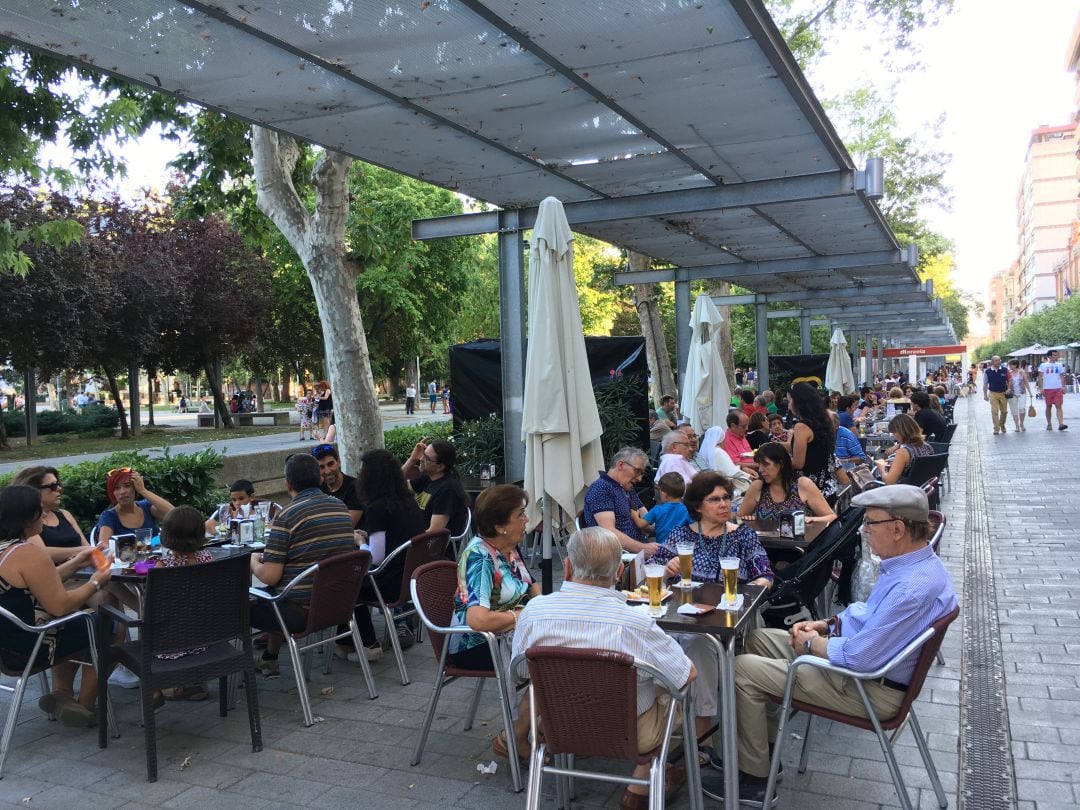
column 762, row 670
column 999, row 407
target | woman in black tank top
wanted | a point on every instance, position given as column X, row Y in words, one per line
column 59, row 531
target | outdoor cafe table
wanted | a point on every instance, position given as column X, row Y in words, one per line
column 127, row 577
column 721, row 628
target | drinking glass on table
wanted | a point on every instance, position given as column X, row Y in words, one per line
column 729, row 567
column 142, row 542
column 654, row 577
column 686, row 560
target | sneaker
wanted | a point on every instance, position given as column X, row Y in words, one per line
column 372, row 653
column 267, row 666
column 751, row 789
column 406, row 635
column 124, row 678
column 1063, row 427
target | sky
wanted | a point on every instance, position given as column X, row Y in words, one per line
column 995, row 68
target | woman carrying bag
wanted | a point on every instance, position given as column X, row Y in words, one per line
column 1019, row 385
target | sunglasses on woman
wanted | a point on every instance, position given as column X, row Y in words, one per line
column 54, row 486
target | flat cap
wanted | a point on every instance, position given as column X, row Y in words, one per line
column 900, row 500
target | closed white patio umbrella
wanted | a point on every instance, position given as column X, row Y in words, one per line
column 838, row 376
column 560, row 423
column 706, row 396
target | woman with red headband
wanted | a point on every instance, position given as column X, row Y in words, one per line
column 134, row 506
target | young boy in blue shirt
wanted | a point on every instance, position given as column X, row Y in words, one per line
column 670, row 513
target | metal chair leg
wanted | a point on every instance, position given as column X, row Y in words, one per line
column 656, row 785
column 301, row 681
column 433, row 702
column 12, row 718
column 886, row 749
column 805, row 754
column 365, row 667
column 536, row 776
column 928, row 760
column 505, row 696
column 394, row 642
column 475, row 703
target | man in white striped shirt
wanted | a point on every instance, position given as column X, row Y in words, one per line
column 913, row 591
column 587, row 613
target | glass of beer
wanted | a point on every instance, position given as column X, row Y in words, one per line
column 654, row 576
column 686, row 560
column 729, row 566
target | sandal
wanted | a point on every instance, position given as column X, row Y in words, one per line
column 196, row 692
column 500, row 749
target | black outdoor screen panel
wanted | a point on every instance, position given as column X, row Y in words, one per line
column 787, row 369
column 476, row 380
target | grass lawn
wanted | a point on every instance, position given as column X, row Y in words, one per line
column 148, row 437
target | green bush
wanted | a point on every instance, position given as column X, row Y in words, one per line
column 96, row 420
column 400, row 441
column 479, row 442
column 183, row 480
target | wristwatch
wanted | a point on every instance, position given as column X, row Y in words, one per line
column 808, row 646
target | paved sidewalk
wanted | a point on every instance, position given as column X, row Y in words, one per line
column 358, row 755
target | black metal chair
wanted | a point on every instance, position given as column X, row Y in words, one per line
column 923, row 468
column 202, row 607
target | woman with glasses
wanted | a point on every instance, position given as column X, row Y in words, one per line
column 134, row 506
column 708, row 500
column 60, row 534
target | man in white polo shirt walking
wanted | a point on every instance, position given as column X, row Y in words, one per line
column 1052, row 389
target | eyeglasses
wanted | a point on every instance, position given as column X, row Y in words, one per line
column 432, row 459
column 866, row 524
column 54, row 486
column 319, row 449
column 718, row 499
column 637, row 470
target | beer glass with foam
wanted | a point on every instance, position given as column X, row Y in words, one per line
column 654, row 577
column 686, row 559
column 729, row 567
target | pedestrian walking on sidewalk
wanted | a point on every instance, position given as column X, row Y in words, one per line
column 1020, row 388
column 995, row 385
column 1052, row 388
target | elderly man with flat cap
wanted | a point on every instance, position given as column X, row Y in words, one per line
column 913, row 591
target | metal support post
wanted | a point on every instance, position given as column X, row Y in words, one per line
column 682, row 329
column 761, row 342
column 804, row 332
column 512, row 341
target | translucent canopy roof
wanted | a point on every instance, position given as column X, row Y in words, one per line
column 510, row 102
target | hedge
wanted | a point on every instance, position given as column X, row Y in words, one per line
column 183, row 480
column 400, row 441
column 93, row 419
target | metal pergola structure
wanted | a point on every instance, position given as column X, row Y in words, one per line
column 685, row 132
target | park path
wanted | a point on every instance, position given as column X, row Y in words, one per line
column 393, row 416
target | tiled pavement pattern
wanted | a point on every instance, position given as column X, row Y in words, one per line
column 358, row 755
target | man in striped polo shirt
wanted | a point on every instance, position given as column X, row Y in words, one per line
column 587, row 613
column 312, row 527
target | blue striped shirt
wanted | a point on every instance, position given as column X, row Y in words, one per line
column 913, row 591
column 587, row 617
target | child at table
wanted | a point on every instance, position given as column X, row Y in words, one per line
column 182, row 538
column 670, row 513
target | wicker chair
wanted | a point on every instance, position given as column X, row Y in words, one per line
column 187, row 607
column 424, row 548
column 35, row 667
column 588, row 702
column 432, row 588
column 926, row 645
column 335, row 587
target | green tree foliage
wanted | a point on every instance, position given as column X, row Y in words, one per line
column 46, row 101
column 1052, row 326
